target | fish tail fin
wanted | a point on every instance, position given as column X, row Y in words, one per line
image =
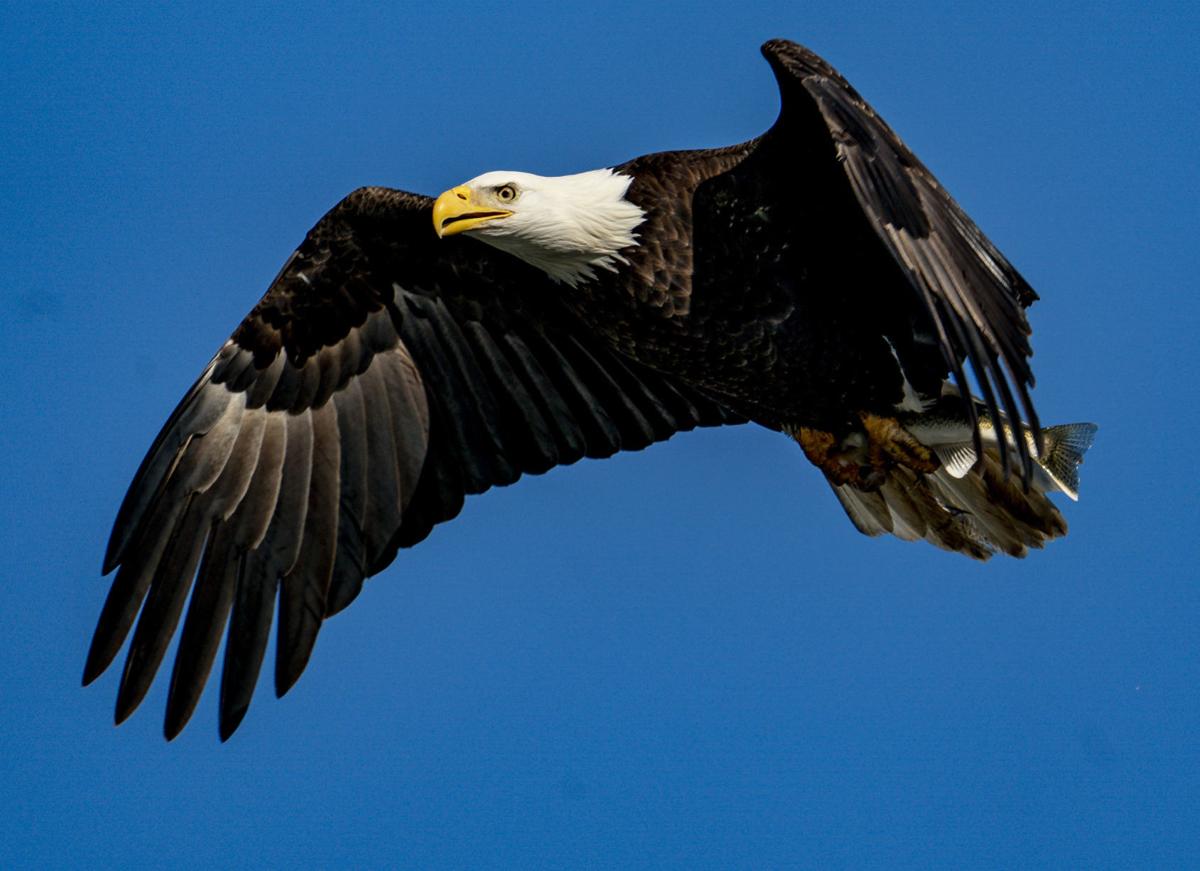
column 1062, row 454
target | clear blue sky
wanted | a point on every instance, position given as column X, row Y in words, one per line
column 683, row 657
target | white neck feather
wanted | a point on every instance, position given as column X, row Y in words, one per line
column 568, row 226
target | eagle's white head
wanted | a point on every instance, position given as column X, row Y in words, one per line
column 565, row 225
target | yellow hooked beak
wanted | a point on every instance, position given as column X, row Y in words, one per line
column 456, row 211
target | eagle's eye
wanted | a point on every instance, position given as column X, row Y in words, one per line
column 506, row 193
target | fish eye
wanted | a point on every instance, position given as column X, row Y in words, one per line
column 506, row 193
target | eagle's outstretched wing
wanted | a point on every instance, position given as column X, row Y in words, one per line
column 384, row 376
column 972, row 295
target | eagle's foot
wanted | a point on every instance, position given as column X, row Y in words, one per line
column 888, row 441
column 842, row 460
column 864, row 458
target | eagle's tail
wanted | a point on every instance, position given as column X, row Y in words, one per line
column 978, row 514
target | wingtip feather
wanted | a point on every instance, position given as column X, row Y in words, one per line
column 229, row 721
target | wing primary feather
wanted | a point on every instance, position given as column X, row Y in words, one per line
column 303, row 591
column 164, row 604
column 381, row 514
column 207, row 614
column 260, row 573
column 213, row 590
column 128, row 591
column 196, row 413
column 249, row 627
column 409, row 418
column 287, row 526
column 195, row 469
column 212, row 598
column 350, row 558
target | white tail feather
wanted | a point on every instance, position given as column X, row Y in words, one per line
column 978, row 512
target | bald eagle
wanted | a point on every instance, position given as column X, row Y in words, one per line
column 816, row 280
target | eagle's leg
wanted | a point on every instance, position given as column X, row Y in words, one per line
column 864, row 458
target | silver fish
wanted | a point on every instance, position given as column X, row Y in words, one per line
column 945, row 428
